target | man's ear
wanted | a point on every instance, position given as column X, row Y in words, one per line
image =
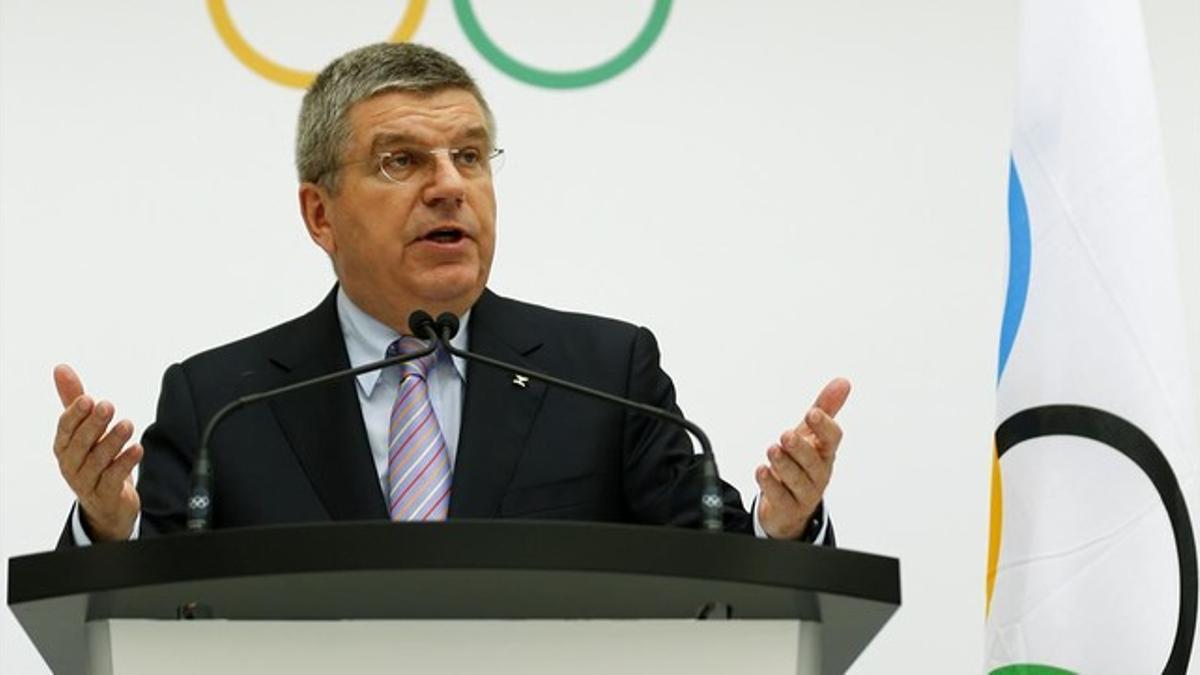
column 314, row 207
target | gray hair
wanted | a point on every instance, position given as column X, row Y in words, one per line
column 323, row 129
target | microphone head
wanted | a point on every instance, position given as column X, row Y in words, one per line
column 421, row 324
column 447, row 324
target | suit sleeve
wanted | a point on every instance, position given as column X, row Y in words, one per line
column 662, row 473
column 171, row 443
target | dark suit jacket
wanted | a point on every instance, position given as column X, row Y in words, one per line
column 529, row 452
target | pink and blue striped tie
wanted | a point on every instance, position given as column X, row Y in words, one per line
column 418, row 460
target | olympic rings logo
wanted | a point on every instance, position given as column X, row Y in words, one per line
column 493, row 53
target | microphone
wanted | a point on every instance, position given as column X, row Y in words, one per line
column 420, row 322
column 200, row 498
column 446, row 327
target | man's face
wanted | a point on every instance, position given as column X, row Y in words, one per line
column 425, row 242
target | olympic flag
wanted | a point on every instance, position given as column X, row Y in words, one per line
column 1092, row 563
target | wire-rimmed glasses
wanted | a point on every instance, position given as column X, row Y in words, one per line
column 405, row 164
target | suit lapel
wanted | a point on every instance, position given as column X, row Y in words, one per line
column 497, row 414
column 324, row 423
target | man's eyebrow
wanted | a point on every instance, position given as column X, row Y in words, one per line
column 382, row 141
column 389, row 140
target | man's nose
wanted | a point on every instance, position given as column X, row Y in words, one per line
column 447, row 184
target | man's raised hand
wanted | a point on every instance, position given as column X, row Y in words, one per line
column 799, row 467
column 95, row 461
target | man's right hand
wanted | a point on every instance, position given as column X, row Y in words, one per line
column 95, row 460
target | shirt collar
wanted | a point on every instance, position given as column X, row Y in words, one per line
column 367, row 340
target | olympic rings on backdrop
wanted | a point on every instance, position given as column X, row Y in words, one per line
column 280, row 74
column 540, row 77
column 564, row 79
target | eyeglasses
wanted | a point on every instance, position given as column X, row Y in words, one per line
column 407, row 164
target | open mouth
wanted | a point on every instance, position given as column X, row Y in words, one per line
column 445, row 235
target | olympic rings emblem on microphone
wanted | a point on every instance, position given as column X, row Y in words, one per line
column 493, row 53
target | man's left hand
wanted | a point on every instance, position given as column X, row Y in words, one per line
column 798, row 468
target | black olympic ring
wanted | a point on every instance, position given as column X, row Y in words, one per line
column 1126, row 438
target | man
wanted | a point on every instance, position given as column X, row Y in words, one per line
column 394, row 153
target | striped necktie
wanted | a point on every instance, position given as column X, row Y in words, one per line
column 418, row 461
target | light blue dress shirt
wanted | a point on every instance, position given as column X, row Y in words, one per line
column 367, row 340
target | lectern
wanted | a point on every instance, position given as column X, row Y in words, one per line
column 453, row 597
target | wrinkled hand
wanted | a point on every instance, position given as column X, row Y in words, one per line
column 798, row 468
column 95, row 461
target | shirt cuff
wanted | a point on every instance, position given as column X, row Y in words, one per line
column 81, row 535
column 818, row 538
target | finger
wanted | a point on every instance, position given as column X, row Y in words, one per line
column 794, row 468
column 774, row 449
column 817, row 467
column 833, row 396
column 827, row 431
column 102, row 454
column 774, row 491
column 113, row 479
column 84, row 437
column 69, row 421
column 800, row 446
column 68, row 384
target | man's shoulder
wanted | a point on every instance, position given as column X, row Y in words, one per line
column 319, row 324
column 549, row 321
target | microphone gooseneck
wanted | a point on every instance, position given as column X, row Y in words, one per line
column 200, row 497
column 446, row 327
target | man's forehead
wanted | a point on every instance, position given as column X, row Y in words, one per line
column 447, row 112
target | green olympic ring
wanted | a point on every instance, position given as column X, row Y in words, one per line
column 564, row 79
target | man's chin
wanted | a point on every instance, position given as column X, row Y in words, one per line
column 453, row 292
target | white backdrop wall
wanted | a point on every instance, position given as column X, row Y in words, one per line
column 837, row 169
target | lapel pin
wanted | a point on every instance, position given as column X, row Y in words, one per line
column 520, row 380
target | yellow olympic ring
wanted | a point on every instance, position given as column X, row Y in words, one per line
column 290, row 77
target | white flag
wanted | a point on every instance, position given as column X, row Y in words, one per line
column 1092, row 564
